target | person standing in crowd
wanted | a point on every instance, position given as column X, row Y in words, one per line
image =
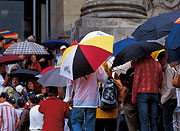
column 8, row 122
column 36, row 118
column 85, row 100
column 25, row 120
column 146, row 84
column 107, row 119
column 33, row 64
column 54, row 111
column 11, row 90
column 2, row 42
column 62, row 49
column 168, row 91
column 130, row 109
column 20, row 104
column 3, row 81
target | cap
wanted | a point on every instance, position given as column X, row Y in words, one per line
column 4, row 94
column 31, row 93
column 19, row 88
column 63, row 47
column 12, row 100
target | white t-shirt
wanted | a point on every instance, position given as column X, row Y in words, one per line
column 36, row 118
column 1, row 83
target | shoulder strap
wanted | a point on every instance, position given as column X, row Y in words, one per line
column 16, row 91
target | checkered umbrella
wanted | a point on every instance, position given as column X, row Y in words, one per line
column 26, row 48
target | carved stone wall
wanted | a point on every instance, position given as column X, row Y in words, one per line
column 115, row 17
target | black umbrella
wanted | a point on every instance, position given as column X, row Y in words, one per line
column 23, row 74
column 135, row 51
column 156, row 27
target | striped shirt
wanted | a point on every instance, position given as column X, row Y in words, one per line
column 147, row 77
column 9, row 117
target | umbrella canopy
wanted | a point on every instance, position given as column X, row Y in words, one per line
column 23, row 74
column 8, row 34
column 173, row 55
column 173, row 39
column 26, row 48
column 9, row 59
column 156, row 27
column 118, row 46
column 52, row 78
column 86, row 54
column 52, row 44
column 46, row 70
column 135, row 51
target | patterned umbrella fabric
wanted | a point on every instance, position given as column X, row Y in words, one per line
column 86, row 54
column 26, row 48
column 8, row 34
column 52, row 78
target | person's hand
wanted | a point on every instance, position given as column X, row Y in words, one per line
column 160, row 105
column 42, row 60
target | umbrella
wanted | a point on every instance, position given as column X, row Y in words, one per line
column 9, row 59
column 23, row 74
column 8, row 34
column 52, row 44
column 173, row 39
column 156, row 27
column 26, row 48
column 156, row 53
column 46, row 70
column 86, row 54
column 118, row 46
column 173, row 55
column 135, row 51
column 52, row 78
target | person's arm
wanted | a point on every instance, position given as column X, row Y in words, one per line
column 17, row 123
column 23, row 121
column 69, row 90
column 5, row 80
column 101, row 74
column 38, row 66
column 0, row 122
column 66, row 110
column 169, row 88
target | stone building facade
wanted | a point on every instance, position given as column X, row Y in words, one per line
column 115, row 17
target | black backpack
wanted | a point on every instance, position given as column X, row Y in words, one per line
column 108, row 95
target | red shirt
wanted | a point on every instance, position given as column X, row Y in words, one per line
column 54, row 111
column 147, row 77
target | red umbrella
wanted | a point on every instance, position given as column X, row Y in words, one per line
column 46, row 69
column 9, row 59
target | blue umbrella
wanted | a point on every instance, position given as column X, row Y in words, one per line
column 118, row 46
column 53, row 78
column 173, row 55
column 52, row 44
column 156, row 27
column 173, row 39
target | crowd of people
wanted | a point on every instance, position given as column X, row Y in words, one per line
column 146, row 97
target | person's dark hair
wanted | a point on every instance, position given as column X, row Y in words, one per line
column 33, row 98
column 1, row 38
column 53, row 91
column 161, row 55
column 1, row 64
column 20, row 103
column 39, row 99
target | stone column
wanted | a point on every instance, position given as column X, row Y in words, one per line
column 115, row 17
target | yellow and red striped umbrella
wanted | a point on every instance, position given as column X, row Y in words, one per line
column 86, row 54
column 8, row 34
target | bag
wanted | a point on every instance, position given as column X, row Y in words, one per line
column 108, row 95
column 176, row 80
